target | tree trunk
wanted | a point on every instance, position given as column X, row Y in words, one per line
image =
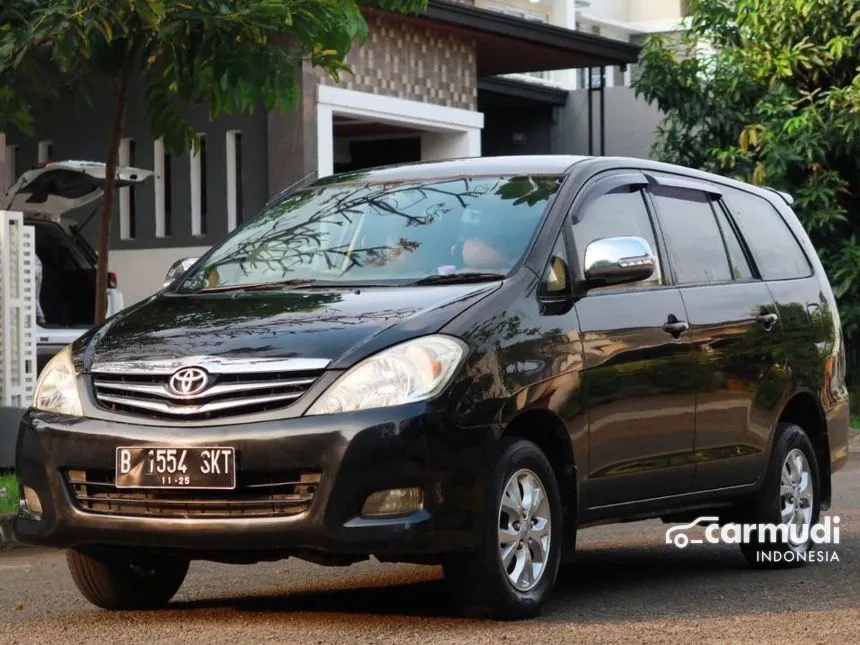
column 120, row 100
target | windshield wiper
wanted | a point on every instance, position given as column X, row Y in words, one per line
column 454, row 278
column 296, row 283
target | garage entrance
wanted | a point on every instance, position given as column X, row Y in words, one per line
column 360, row 144
column 357, row 130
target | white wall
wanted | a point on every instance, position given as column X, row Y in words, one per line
column 435, row 145
column 140, row 273
column 457, row 131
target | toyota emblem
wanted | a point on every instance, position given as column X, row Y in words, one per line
column 189, row 381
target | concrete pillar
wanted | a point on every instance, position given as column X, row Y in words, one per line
column 292, row 139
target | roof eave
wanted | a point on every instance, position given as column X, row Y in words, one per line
column 604, row 51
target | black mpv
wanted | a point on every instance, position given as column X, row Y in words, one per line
column 457, row 362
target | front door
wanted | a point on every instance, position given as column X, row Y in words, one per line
column 638, row 393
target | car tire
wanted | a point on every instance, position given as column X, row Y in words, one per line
column 494, row 580
column 791, row 492
column 111, row 581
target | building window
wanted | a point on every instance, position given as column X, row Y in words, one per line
column 519, row 12
column 234, row 179
column 198, row 189
column 126, row 194
column 586, row 74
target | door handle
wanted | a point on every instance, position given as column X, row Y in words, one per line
column 675, row 327
column 767, row 320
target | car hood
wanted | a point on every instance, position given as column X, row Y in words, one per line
column 338, row 325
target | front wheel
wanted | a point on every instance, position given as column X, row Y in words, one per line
column 112, row 581
column 513, row 571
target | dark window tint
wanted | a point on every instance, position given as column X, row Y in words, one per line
column 737, row 258
column 692, row 236
column 616, row 214
column 774, row 247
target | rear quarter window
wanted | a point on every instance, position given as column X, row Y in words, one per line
column 773, row 245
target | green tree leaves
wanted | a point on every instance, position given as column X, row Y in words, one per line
column 233, row 56
column 777, row 103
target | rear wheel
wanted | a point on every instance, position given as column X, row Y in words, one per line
column 790, row 497
column 513, row 571
column 112, row 581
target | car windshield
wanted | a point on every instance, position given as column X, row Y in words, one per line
column 354, row 233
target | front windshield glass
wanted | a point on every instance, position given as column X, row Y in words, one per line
column 382, row 233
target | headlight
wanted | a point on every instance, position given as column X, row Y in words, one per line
column 57, row 390
column 415, row 370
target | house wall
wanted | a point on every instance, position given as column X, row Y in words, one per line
column 631, row 124
column 80, row 132
column 418, row 69
column 421, row 64
column 4, row 166
column 425, row 66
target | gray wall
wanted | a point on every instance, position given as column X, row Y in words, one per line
column 80, row 132
column 630, row 124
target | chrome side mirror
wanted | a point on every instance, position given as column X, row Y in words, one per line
column 616, row 260
column 177, row 270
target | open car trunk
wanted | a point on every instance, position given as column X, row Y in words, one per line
column 68, row 278
column 44, row 195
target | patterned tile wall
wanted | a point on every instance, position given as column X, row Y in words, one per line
column 411, row 62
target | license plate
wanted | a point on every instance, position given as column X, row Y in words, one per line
column 162, row 467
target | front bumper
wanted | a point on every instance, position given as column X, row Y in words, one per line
column 356, row 454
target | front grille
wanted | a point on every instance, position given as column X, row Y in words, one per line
column 226, row 394
column 269, row 495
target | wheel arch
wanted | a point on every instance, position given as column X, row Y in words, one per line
column 550, row 434
column 804, row 410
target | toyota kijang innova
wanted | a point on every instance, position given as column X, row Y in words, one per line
column 455, row 362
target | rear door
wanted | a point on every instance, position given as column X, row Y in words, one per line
column 734, row 330
column 637, row 389
column 62, row 186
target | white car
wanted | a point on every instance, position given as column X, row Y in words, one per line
column 46, row 196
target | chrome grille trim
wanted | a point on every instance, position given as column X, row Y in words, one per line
column 188, row 410
column 226, row 388
column 261, row 495
column 212, row 364
column 233, row 387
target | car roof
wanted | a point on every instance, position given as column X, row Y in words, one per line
column 552, row 164
column 475, row 166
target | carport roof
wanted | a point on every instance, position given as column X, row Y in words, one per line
column 507, row 44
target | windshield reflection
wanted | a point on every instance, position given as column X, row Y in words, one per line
column 382, row 233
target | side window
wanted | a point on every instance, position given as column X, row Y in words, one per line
column 616, row 214
column 693, row 239
column 737, row 258
column 773, row 245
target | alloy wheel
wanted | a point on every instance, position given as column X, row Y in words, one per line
column 796, row 494
column 524, row 530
